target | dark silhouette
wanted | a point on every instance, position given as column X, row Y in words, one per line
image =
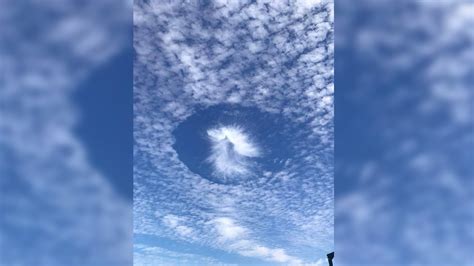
column 330, row 257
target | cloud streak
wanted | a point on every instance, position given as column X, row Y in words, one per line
column 237, row 238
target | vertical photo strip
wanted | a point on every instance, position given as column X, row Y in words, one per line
column 233, row 133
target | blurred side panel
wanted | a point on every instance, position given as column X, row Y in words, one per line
column 57, row 207
column 404, row 132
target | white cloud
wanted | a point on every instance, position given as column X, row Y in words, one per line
column 429, row 152
column 176, row 223
column 319, row 262
column 237, row 238
column 230, row 149
column 235, row 135
column 279, row 255
column 228, row 229
column 149, row 255
column 171, row 220
column 184, row 230
column 40, row 143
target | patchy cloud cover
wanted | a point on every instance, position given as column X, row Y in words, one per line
column 57, row 207
column 404, row 171
column 245, row 199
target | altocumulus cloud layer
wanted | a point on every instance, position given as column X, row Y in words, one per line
column 270, row 55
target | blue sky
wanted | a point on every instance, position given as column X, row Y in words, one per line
column 66, row 133
column 404, row 132
column 233, row 129
column 105, row 127
column 403, row 179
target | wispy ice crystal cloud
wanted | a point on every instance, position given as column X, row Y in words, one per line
column 231, row 149
column 274, row 56
column 404, row 159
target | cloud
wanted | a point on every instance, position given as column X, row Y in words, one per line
column 227, row 228
column 420, row 166
column 176, row 223
column 171, row 220
column 57, row 207
column 231, row 149
column 276, row 57
column 237, row 238
column 148, row 255
column 319, row 262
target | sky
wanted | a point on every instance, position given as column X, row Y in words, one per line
column 106, row 127
column 233, row 133
column 404, row 133
column 64, row 126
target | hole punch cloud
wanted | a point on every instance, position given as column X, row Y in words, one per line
column 265, row 195
column 231, row 151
